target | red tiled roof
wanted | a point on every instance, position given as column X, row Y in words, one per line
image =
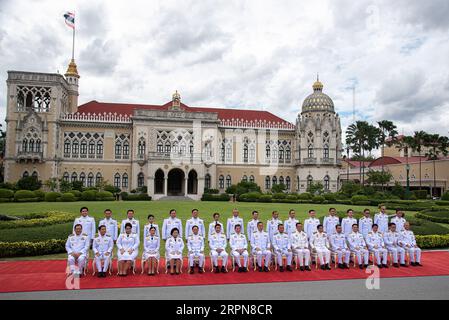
column 396, row 160
column 357, row 164
column 223, row 114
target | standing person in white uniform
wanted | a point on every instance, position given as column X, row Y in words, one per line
column 216, row 217
column 381, row 219
column 399, row 220
column 110, row 224
column 252, row 225
column 133, row 222
column 88, row 224
column 272, row 225
column 169, row 224
column 365, row 223
column 195, row 221
column 311, row 224
column 290, row 223
column 347, row 222
column 232, row 221
column 127, row 249
column 151, row 223
column 330, row 222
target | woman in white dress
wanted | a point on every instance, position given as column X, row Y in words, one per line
column 151, row 245
column 173, row 251
column 128, row 248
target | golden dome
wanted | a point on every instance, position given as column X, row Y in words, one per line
column 72, row 71
column 318, row 101
column 317, row 86
column 176, row 95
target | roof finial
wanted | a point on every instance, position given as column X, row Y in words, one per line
column 317, row 86
column 317, row 76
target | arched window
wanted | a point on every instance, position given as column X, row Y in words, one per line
column 267, row 152
column 74, row 177
column 31, row 145
column 228, row 181
column 25, row 145
column 98, row 178
column 82, row 178
column 125, row 180
column 326, row 183
column 118, row 150
column 252, row 153
column 25, row 174
column 100, row 149
column 75, row 148
column 207, row 181
column 90, row 179
column 267, row 183
column 281, row 180
column 244, row 178
column 126, row 149
column 288, row 154
column 167, row 147
column 229, row 151
column 221, row 182
column 251, row 178
column 274, row 180
column 245, row 152
column 310, row 151
column 309, row 181
column 326, row 152
column 83, row 149
column 287, row 183
column 91, row 149
column 191, row 147
column 66, row 177
column 117, row 180
column 141, row 148
column 38, row 145
column 222, row 151
column 281, row 154
column 140, row 180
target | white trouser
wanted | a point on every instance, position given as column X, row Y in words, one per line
column 106, row 260
column 415, row 254
column 237, row 255
column 342, row 252
column 303, row 256
column 199, row 256
column 284, row 252
column 359, row 253
column 215, row 256
column 380, row 251
column 397, row 251
column 81, row 260
column 262, row 254
column 324, row 255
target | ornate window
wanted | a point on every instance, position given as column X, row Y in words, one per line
column 90, row 179
column 160, row 147
column 74, row 177
column 310, row 145
column 221, row 182
column 281, row 154
column 33, row 98
column 309, row 181
column 34, row 174
column 326, row 151
column 100, row 149
column 228, row 181
column 91, row 149
column 122, row 146
column 310, row 151
column 222, row 152
column 207, row 181
column 125, row 180
column 66, row 177
column 126, row 149
column 245, row 150
column 274, row 180
column 326, row 183
column 288, row 154
column 83, row 149
column 82, row 178
column 287, row 183
column 25, row 174
column 117, row 180
column 141, row 148
column 281, row 180
column 267, row 151
column 82, row 145
column 251, row 178
column 118, row 149
column 140, row 180
column 98, row 178
column 267, row 182
column 244, row 178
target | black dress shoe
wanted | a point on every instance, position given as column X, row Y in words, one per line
column 328, row 267
column 301, row 268
column 217, row 270
column 417, row 264
column 289, row 268
column 404, row 265
column 223, row 269
column 412, row 264
column 322, row 267
column 340, row 266
column 240, row 270
column 360, row 266
column 365, row 266
column 192, row 270
column 265, row 269
column 346, row 266
column 99, row 275
column 385, row 266
column 379, row 266
column 395, row 265
column 281, row 269
column 260, row 269
column 308, row 268
column 245, row 269
column 200, row 270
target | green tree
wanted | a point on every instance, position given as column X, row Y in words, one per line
column 51, row 184
column 437, row 145
column 243, row 187
column 315, row 188
column 278, row 188
column 416, row 144
column 29, row 183
column 387, row 136
column 379, row 177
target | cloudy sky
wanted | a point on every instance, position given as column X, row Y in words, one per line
column 245, row 54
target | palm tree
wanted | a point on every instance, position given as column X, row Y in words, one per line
column 437, row 145
column 417, row 143
column 387, row 136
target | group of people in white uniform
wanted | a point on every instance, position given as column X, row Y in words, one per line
column 291, row 240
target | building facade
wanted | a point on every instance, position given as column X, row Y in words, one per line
column 173, row 149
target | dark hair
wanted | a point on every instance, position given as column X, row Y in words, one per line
column 237, row 225
column 398, row 209
column 338, row 225
column 99, row 227
column 298, row 223
column 215, row 214
column 195, row 226
column 153, row 228
column 129, row 210
column 128, row 225
column 332, row 209
column 311, row 210
column 391, row 224
column 149, row 216
column 290, row 211
column 194, row 210
column 318, row 226
column 78, row 224
column 260, row 222
column 375, row 225
column 217, row 224
column 366, row 210
column 82, row 208
column 280, row 225
column 106, row 210
column 347, row 211
column 355, row 224
column 173, row 230
column 273, row 212
column 171, row 210
column 255, row 211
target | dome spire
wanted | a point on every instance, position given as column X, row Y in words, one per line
column 72, row 70
column 317, row 86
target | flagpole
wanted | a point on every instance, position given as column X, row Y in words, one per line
column 73, row 43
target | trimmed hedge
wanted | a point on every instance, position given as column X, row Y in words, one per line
column 420, row 194
column 249, row 197
column 305, row 196
column 318, row 199
column 39, row 194
column 215, row 197
column 435, row 215
column 26, row 248
column 105, row 196
column 266, row 198
column 89, row 195
column 68, row 197
column 6, row 194
column 52, row 196
column 38, row 219
column 24, row 194
column 135, row 197
column 432, row 241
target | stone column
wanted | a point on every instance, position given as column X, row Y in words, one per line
column 186, row 180
column 165, row 186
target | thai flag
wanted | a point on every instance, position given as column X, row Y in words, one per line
column 70, row 19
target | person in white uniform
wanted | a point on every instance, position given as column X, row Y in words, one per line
column 300, row 247
column 87, row 222
column 218, row 244
column 77, row 246
column 365, row 223
column 340, row 247
column 151, row 248
column 272, row 225
column 195, row 248
column 195, row 221
column 375, row 242
column 311, row 223
column 319, row 243
column 131, row 220
column 347, row 222
column 391, row 240
column 290, row 223
column 330, row 222
column 357, row 244
column 102, row 248
column 170, row 223
column 399, row 220
column 381, row 219
column 110, row 224
column 408, row 242
column 239, row 248
column 260, row 247
column 151, row 223
column 216, row 217
column 127, row 249
column 173, row 249
column 232, row 221
column 283, row 247
column 252, row 225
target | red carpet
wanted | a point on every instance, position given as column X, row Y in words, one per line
column 47, row 275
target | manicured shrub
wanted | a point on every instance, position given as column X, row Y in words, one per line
column 445, row 196
column 292, row 197
column 26, row 248
column 136, row 197
column 89, row 195
column 432, row 241
column 39, row 194
column 318, row 199
column 105, row 196
column 52, row 196
column 439, row 215
column 68, row 197
column 442, row 203
column 331, row 197
column 265, row 198
column 24, row 194
column 280, row 196
column 215, row 197
column 249, row 197
column 358, row 198
column 6, row 194
column 124, row 195
column 76, row 193
column 38, row 220
column 305, row 196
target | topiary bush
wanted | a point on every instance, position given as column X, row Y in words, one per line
column 25, row 196
column 318, row 199
column 445, row 196
column 331, row 197
column 280, row 196
column 305, row 196
column 39, row 194
column 6, row 194
column 265, row 198
column 137, row 197
column 249, row 197
column 67, row 197
column 76, row 193
column 215, row 197
column 432, row 241
column 38, row 220
column 26, row 248
column 89, row 195
column 105, row 196
column 52, row 196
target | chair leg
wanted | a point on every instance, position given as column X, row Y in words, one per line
column 142, row 265
column 93, row 267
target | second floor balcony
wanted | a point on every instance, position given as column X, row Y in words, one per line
column 30, row 156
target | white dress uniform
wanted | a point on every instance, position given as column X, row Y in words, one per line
column 135, row 226
column 102, row 245
column 376, row 244
column 300, row 247
column 320, row 244
column 282, row 245
column 195, row 222
column 77, row 244
column 399, row 222
column 212, row 228
column 339, row 246
column 126, row 242
column 231, row 224
column 391, row 242
column 174, row 247
column 260, row 240
column 151, row 247
column 407, row 241
column 365, row 225
column 381, row 219
column 218, row 241
column 310, row 225
column 238, row 242
column 168, row 225
column 111, row 227
column 346, row 225
column 88, row 224
column 251, row 228
column 272, row 227
column 195, row 246
column 147, row 227
column 357, row 245
column 290, row 225
column 329, row 224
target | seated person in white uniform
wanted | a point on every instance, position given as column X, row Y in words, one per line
column 173, row 251
column 195, row 248
column 239, row 248
column 260, row 247
column 407, row 241
column 102, row 248
column 77, row 246
column 151, row 246
column 218, row 244
column 127, row 249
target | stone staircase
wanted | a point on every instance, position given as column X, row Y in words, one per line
column 175, row 198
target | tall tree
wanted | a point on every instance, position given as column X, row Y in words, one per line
column 387, row 136
column 437, row 145
column 416, row 144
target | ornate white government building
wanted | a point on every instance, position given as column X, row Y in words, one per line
column 173, row 149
